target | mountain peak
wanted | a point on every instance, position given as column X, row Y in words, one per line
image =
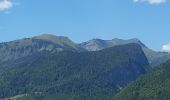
column 50, row 37
column 96, row 40
column 136, row 40
column 116, row 39
column 62, row 40
column 45, row 34
column 98, row 44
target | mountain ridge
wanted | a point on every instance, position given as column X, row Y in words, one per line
column 23, row 47
column 108, row 43
column 155, row 58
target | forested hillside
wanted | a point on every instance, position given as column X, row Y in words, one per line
column 155, row 85
column 73, row 75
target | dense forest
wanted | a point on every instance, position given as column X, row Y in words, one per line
column 73, row 75
column 155, row 85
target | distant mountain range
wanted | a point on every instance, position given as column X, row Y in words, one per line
column 23, row 47
column 49, row 67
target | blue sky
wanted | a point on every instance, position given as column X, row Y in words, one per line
column 82, row 20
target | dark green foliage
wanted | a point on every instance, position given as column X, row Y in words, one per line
column 153, row 86
column 73, row 76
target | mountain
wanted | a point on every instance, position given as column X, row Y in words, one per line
column 99, row 44
column 23, row 47
column 155, row 58
column 155, row 85
column 68, row 75
column 63, row 41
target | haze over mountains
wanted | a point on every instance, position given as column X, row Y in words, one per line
column 49, row 67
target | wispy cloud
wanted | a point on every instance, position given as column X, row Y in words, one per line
column 5, row 5
column 166, row 48
column 151, row 1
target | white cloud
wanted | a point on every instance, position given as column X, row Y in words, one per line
column 151, row 1
column 5, row 5
column 166, row 48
